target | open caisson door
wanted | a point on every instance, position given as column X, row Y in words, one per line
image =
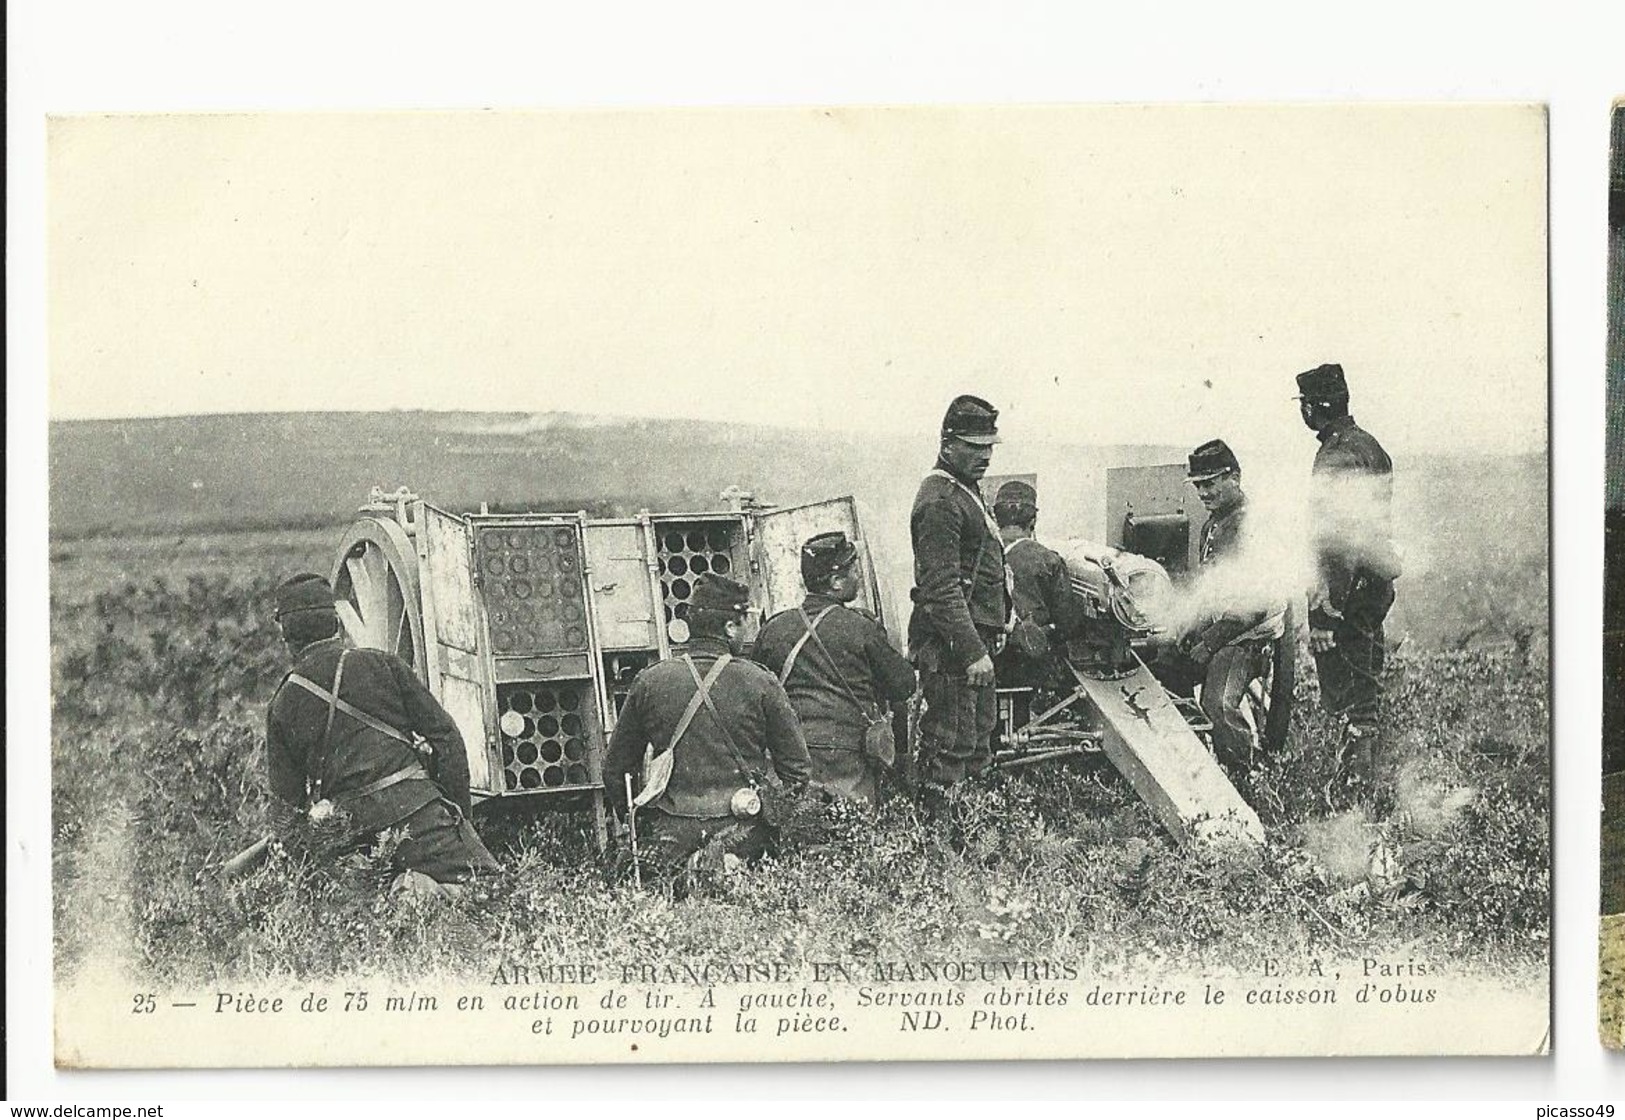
column 402, row 584
column 459, row 668
column 777, row 537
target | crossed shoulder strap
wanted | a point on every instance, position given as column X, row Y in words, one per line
column 834, row 666
column 703, row 695
column 324, row 749
column 335, row 703
column 795, row 650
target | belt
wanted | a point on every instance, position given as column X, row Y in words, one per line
column 405, row 774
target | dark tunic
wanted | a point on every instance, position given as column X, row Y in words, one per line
column 961, row 600
column 1044, row 602
column 1352, row 499
column 706, row 772
column 961, row 607
column 832, row 718
column 433, row 807
column 1352, row 495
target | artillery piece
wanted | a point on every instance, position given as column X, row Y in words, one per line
column 1107, row 698
column 529, row 627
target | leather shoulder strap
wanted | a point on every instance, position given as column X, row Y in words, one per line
column 694, row 702
column 795, row 650
column 704, row 695
column 335, row 702
column 835, row 666
column 324, row 750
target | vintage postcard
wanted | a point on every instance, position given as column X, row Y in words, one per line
column 1611, row 979
column 799, row 584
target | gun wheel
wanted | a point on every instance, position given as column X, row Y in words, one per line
column 376, row 591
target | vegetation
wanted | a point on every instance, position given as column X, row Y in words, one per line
column 159, row 688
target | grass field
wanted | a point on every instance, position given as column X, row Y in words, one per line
column 164, row 654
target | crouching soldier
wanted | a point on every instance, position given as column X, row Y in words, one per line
column 1224, row 646
column 839, row 670
column 1047, row 613
column 710, row 734
column 342, row 760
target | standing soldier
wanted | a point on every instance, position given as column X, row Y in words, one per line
column 1047, row 613
column 839, row 669
column 341, row 754
column 1351, row 495
column 1226, row 642
column 961, row 600
column 726, row 722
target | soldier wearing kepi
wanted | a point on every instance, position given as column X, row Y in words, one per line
column 731, row 734
column 1223, row 646
column 1047, row 613
column 961, row 600
column 342, row 760
column 1351, row 496
column 839, row 670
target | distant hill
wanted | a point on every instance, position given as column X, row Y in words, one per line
column 273, row 470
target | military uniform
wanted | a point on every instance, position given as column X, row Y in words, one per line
column 1229, row 637
column 961, row 613
column 1047, row 612
column 371, row 779
column 835, row 688
column 1224, row 649
column 687, row 830
column 1351, row 495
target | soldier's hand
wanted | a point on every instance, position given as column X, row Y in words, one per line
column 1321, row 641
column 980, row 672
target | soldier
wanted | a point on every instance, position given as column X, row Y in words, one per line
column 1351, row 495
column 961, row 600
column 341, row 754
column 838, row 668
column 1047, row 613
column 726, row 722
column 1223, row 646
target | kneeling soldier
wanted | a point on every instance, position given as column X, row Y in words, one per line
column 1225, row 644
column 1047, row 613
column 342, row 761
column 725, row 723
column 839, row 670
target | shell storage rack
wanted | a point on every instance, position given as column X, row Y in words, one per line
column 530, row 628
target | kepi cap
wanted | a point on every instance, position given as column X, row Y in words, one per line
column 1016, row 493
column 1211, row 460
column 306, row 591
column 973, row 420
column 1323, row 383
column 826, row 554
column 719, row 593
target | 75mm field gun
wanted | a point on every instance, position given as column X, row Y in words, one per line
column 530, row 628
column 1107, row 696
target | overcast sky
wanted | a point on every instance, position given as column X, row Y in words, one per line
column 1121, row 274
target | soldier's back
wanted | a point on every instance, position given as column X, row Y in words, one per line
column 1350, row 448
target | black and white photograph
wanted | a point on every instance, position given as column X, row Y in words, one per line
column 821, row 584
column 1611, row 960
